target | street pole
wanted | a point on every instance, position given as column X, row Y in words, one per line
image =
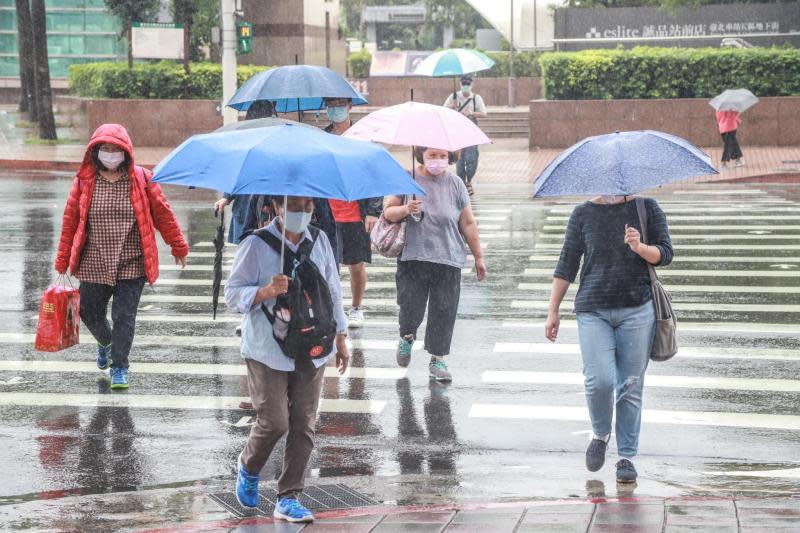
column 511, row 60
column 228, row 25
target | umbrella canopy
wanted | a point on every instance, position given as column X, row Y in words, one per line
column 294, row 88
column 262, row 123
column 453, row 62
column 219, row 246
column 734, row 100
column 285, row 160
column 622, row 164
column 418, row 124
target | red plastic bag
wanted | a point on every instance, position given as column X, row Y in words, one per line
column 59, row 318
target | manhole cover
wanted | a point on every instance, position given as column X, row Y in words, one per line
column 316, row 498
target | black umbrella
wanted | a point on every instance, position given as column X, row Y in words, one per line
column 219, row 246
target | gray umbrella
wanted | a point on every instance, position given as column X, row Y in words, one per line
column 734, row 100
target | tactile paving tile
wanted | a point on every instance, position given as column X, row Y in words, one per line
column 315, row 498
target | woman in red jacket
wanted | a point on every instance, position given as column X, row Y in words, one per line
column 108, row 242
column 728, row 122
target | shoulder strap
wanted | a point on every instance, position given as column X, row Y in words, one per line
column 465, row 104
column 641, row 209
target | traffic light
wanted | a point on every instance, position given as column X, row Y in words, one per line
column 244, row 37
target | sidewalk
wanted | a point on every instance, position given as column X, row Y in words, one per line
column 596, row 516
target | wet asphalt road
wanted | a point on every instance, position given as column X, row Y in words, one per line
column 722, row 418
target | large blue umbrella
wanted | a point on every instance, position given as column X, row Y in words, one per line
column 286, row 160
column 622, row 163
column 294, row 88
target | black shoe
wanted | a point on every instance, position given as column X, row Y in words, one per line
column 596, row 455
column 626, row 473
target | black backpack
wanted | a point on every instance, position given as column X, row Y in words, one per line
column 302, row 319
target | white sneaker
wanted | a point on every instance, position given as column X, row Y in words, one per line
column 740, row 162
column 356, row 318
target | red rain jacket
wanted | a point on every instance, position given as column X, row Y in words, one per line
column 149, row 206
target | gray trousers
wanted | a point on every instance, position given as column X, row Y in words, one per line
column 284, row 402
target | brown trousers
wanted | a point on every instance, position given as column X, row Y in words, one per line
column 284, row 402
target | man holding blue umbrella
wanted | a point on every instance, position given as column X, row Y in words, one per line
column 471, row 105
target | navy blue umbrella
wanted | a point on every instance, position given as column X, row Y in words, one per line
column 622, row 163
column 295, row 88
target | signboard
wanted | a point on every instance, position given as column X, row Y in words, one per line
column 759, row 24
column 157, row 40
column 396, row 63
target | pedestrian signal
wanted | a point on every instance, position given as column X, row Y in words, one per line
column 244, row 37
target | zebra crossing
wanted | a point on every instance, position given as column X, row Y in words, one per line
column 736, row 370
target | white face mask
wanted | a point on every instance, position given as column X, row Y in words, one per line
column 111, row 160
column 436, row 166
column 295, row 221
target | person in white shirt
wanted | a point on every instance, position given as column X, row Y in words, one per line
column 471, row 105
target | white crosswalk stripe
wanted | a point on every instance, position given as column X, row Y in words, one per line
column 649, row 416
column 703, row 247
column 700, row 259
column 685, row 326
column 688, row 352
column 677, row 289
column 681, row 306
column 674, row 272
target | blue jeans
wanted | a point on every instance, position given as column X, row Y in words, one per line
column 615, row 346
column 467, row 164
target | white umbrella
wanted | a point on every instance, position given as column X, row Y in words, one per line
column 734, row 100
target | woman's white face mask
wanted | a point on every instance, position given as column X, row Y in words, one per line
column 111, row 160
column 295, row 221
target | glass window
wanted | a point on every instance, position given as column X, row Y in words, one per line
column 9, row 66
column 66, row 44
column 65, row 21
column 65, row 3
column 8, row 43
column 102, row 22
column 102, row 45
column 8, row 19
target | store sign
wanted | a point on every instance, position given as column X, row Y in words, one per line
column 157, row 41
column 684, row 30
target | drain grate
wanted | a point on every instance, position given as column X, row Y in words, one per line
column 316, row 498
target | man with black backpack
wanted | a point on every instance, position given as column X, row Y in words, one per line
column 469, row 104
column 294, row 324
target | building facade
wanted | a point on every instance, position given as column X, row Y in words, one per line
column 78, row 31
column 286, row 32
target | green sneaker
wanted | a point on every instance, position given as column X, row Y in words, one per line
column 404, row 350
column 438, row 370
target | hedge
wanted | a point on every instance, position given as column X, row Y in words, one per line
column 164, row 80
column 358, row 64
column 646, row 72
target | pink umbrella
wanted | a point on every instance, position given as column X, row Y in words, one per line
column 418, row 124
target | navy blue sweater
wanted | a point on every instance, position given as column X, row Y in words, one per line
column 612, row 276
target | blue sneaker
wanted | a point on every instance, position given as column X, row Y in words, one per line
column 103, row 357
column 291, row 510
column 119, row 378
column 246, row 486
column 403, row 352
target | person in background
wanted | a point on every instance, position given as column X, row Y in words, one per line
column 285, row 390
column 108, row 242
column 615, row 314
column 728, row 122
column 438, row 231
column 471, row 105
column 354, row 221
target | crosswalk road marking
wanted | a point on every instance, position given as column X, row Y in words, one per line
column 700, row 259
column 700, row 237
column 689, row 352
column 674, row 272
column 682, row 306
column 734, row 289
column 649, row 416
column 706, row 209
column 695, row 227
column 685, row 326
column 658, row 381
column 158, row 401
column 193, row 369
column 706, row 218
column 704, row 247
column 198, row 341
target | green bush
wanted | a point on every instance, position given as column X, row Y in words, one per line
column 358, row 64
column 163, row 80
column 526, row 65
column 646, row 72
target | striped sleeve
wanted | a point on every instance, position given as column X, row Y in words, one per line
column 571, row 252
column 658, row 232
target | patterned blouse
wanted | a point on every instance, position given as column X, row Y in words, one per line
column 113, row 249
